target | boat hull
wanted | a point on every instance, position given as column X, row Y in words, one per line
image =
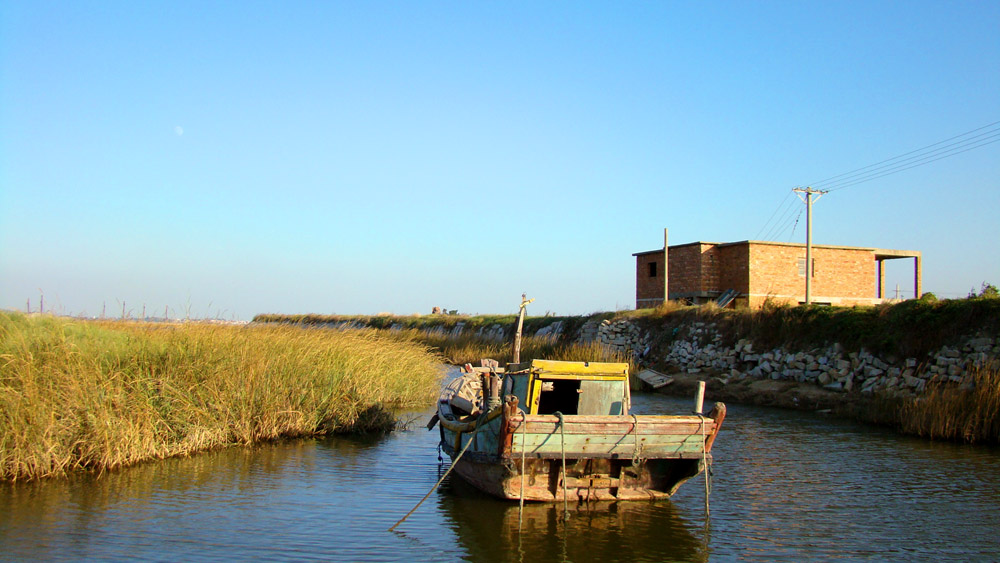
column 605, row 457
column 587, row 479
column 562, row 430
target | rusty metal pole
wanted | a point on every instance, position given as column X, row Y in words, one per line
column 666, row 262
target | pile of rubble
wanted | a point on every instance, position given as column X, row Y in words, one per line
column 701, row 350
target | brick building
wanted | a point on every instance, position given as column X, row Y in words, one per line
column 753, row 271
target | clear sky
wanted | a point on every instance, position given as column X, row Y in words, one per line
column 234, row 158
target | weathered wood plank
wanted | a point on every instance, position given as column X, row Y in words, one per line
column 617, row 428
column 557, row 367
column 572, row 441
column 618, row 455
column 654, row 378
column 621, row 450
column 584, row 418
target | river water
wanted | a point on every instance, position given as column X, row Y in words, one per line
column 787, row 486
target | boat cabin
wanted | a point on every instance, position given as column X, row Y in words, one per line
column 584, row 388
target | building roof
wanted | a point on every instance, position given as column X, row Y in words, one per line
column 880, row 253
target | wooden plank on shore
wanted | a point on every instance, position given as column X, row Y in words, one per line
column 655, row 379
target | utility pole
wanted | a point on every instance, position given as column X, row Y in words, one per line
column 806, row 195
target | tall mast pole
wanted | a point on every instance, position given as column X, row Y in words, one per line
column 805, row 194
column 520, row 325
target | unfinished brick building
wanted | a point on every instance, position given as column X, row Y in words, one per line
column 750, row 272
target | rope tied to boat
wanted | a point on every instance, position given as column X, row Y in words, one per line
column 562, row 434
column 524, row 449
column 704, row 461
column 446, row 473
column 637, row 451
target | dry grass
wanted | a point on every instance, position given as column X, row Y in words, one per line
column 90, row 395
column 469, row 349
column 952, row 413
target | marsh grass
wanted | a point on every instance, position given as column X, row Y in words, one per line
column 947, row 412
column 102, row 395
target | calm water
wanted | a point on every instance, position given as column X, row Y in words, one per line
column 787, row 486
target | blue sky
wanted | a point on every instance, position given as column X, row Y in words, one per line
column 228, row 159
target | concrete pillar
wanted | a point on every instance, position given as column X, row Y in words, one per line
column 917, row 277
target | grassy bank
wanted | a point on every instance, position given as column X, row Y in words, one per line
column 470, row 349
column 471, row 324
column 435, row 331
column 89, row 395
column 911, row 328
column 907, row 329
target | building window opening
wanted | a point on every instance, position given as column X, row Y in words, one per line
column 802, row 267
column 652, row 269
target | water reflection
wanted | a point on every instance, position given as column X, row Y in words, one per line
column 494, row 530
column 787, row 486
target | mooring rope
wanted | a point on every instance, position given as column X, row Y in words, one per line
column 524, row 448
column 562, row 434
column 637, row 452
column 441, row 480
column 704, row 462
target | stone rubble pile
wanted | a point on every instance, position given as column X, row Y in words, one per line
column 624, row 337
column 700, row 350
column 699, row 347
column 588, row 332
column 492, row 332
column 550, row 332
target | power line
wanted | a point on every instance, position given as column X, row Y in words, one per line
column 902, row 168
column 769, row 219
column 795, row 226
column 777, row 220
column 782, row 224
column 905, row 154
column 982, row 136
column 955, row 145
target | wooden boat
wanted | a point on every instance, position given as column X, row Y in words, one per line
column 549, row 430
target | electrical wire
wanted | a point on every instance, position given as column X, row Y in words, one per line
column 883, row 173
column 795, row 226
column 952, row 146
column 904, row 154
column 784, row 215
column 782, row 203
